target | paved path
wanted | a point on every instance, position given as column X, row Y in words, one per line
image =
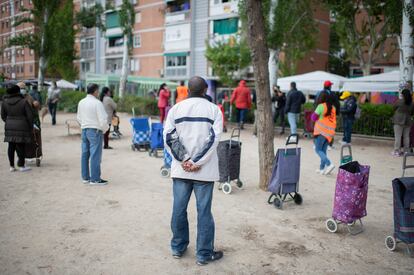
column 50, row 223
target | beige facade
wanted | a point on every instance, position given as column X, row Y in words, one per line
column 23, row 65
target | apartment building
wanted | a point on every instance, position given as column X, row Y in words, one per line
column 101, row 52
column 15, row 62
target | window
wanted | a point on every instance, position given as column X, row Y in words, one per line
column 113, row 65
column 176, row 61
column 85, row 67
column 31, row 68
column 115, row 42
column 226, row 26
column 137, row 41
column 88, row 44
column 22, row 69
column 138, row 17
column 134, row 65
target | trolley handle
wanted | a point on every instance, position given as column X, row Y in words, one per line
column 235, row 133
column 292, row 139
column 346, row 146
column 405, row 166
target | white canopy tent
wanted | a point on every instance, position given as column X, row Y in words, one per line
column 312, row 82
column 385, row 82
column 63, row 84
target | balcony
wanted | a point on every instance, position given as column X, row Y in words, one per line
column 87, row 54
column 87, row 32
column 223, row 8
column 223, row 38
column 114, row 50
column 176, row 72
column 177, row 17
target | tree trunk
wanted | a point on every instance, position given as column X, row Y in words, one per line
column 260, row 58
column 42, row 58
column 366, row 69
column 124, row 72
column 13, row 34
column 406, row 51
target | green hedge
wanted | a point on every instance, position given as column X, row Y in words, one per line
column 141, row 105
column 2, row 93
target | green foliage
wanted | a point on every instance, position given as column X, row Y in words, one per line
column 141, row 105
column 227, row 58
column 53, row 21
column 91, row 17
column 60, row 63
column 364, row 39
column 127, row 17
column 69, row 101
column 337, row 60
column 381, row 110
column 294, row 31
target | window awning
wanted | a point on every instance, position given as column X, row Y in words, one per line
column 226, row 26
column 112, row 20
column 114, row 32
column 177, row 54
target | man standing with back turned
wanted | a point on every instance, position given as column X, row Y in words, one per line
column 295, row 100
column 94, row 121
column 192, row 132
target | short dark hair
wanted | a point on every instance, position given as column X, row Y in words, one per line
column 182, row 83
column 92, row 87
column 197, row 85
column 13, row 89
column 293, row 85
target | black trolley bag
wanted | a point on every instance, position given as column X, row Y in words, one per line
column 403, row 194
column 33, row 150
column 284, row 181
column 229, row 153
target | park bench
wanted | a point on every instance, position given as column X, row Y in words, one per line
column 72, row 124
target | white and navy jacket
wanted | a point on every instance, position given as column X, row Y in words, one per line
column 192, row 131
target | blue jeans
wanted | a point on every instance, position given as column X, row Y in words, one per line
column 241, row 114
column 321, row 144
column 293, row 118
column 203, row 191
column 347, row 124
column 91, row 154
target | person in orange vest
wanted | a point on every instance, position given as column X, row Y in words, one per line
column 241, row 96
column 182, row 92
column 324, row 131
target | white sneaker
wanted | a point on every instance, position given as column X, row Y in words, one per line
column 24, row 169
column 319, row 171
column 330, row 148
column 12, row 169
column 329, row 169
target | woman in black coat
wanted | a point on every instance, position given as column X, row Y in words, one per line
column 18, row 116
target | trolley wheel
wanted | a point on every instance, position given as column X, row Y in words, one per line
column 226, row 188
column 165, row 172
column 38, row 162
column 390, row 243
column 150, row 153
column 278, row 203
column 297, row 198
column 239, row 184
column 331, row 225
column 133, row 148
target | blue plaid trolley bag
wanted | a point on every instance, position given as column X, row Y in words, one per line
column 166, row 168
column 403, row 193
column 157, row 140
column 284, row 181
column 140, row 133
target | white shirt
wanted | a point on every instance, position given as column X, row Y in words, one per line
column 192, row 131
column 91, row 114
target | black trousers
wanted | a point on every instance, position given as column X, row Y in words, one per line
column 280, row 113
column 19, row 149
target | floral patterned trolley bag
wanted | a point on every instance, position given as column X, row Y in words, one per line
column 350, row 197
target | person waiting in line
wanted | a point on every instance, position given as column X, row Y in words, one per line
column 163, row 100
column 110, row 109
column 242, row 98
column 294, row 101
column 279, row 101
column 324, row 131
column 348, row 111
column 402, row 119
column 93, row 120
column 191, row 135
column 182, row 92
column 53, row 97
column 17, row 114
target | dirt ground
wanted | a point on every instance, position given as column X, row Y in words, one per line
column 51, row 223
